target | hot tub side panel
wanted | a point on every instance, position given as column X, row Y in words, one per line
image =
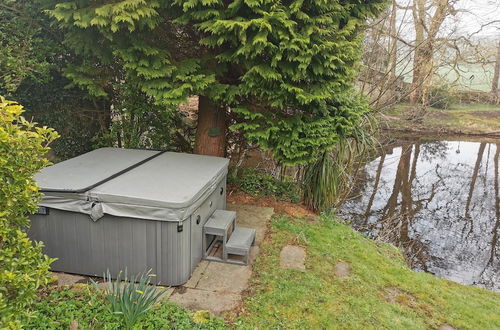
column 83, row 246
column 174, row 267
column 216, row 200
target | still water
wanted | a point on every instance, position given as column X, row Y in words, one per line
column 439, row 202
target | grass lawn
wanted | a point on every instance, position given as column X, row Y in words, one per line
column 460, row 119
column 380, row 292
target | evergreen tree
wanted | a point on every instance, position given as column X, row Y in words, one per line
column 285, row 68
column 26, row 44
column 32, row 57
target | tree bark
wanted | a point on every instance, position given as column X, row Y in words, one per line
column 393, row 45
column 211, row 129
column 418, row 11
column 422, row 74
column 496, row 75
column 427, row 26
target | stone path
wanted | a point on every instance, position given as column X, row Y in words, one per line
column 293, row 257
column 446, row 327
column 342, row 269
column 215, row 286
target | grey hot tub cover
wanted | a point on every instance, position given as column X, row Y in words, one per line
column 144, row 184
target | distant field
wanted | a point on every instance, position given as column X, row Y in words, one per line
column 471, row 76
column 475, row 77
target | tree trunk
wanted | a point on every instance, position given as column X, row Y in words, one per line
column 393, row 45
column 427, row 26
column 211, row 129
column 418, row 11
column 496, row 75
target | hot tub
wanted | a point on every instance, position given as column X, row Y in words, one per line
column 128, row 209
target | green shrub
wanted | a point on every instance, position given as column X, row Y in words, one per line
column 137, row 122
column 441, row 97
column 23, row 267
column 170, row 316
column 258, row 183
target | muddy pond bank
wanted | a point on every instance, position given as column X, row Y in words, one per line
column 474, row 120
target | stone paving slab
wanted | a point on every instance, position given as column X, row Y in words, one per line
column 166, row 294
column 225, row 278
column 197, row 274
column 342, row 269
column 215, row 302
column 293, row 257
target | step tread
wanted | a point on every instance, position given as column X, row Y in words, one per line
column 220, row 219
column 241, row 238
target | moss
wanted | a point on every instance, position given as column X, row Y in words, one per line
column 316, row 298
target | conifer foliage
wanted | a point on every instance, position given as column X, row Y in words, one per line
column 280, row 71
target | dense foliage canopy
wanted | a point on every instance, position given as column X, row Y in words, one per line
column 35, row 66
column 284, row 67
column 32, row 58
column 25, row 48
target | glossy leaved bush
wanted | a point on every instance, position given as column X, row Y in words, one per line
column 23, row 267
column 281, row 72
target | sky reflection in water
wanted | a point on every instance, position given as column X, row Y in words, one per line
column 439, row 202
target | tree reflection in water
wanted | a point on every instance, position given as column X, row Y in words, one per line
column 439, row 202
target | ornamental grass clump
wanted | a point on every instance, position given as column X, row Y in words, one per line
column 130, row 298
column 329, row 179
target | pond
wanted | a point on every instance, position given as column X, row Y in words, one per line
column 439, row 202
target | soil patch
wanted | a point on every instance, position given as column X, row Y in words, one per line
column 395, row 295
column 294, row 210
column 487, row 114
